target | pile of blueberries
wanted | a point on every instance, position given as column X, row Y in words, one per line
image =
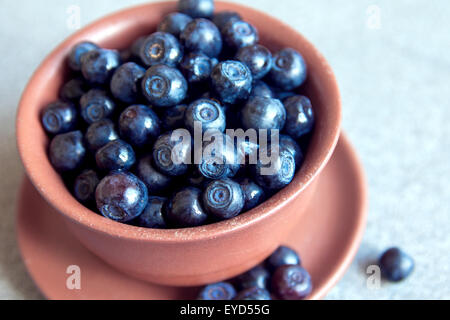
column 281, row 277
column 111, row 131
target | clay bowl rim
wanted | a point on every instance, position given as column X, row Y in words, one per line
column 67, row 205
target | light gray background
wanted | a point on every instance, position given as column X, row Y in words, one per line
column 393, row 65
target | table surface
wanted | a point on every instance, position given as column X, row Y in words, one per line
column 392, row 63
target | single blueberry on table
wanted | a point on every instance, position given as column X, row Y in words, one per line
column 239, row 34
column 223, row 199
column 116, row 155
column 96, row 105
column 208, row 113
column 125, row 82
column 164, row 86
column 289, row 70
column 254, row 293
column 221, row 158
column 281, row 257
column 197, row 8
column 261, row 89
column 59, row 117
column 139, row 125
column 173, row 118
column 161, row 48
column 121, row 196
column 287, row 143
column 299, row 116
column 217, row 291
column 85, row 185
column 256, row 277
column 276, row 174
column 291, row 282
column 174, row 23
column 156, row 182
column 99, row 134
column 220, row 19
column 184, row 209
column 196, row 67
column 73, row 90
column 77, row 53
column 172, row 156
column 231, row 81
column 202, row 36
column 152, row 217
column 396, row 265
column 257, row 58
column 67, row 151
column 99, row 65
column 253, row 194
column 263, row 113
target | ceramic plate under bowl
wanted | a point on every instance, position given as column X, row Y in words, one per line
column 327, row 240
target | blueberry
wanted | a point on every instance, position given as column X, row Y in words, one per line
column 73, row 90
column 220, row 19
column 220, row 159
column 161, row 48
column 164, row 86
column 300, row 116
column 197, row 8
column 238, row 34
column 155, row 181
column 121, row 196
column 99, row 65
column 217, row 291
column 282, row 95
column 249, row 149
column 153, row 217
column 396, row 265
column 85, row 185
column 59, row 117
column 139, row 125
column 202, row 36
column 256, row 277
column 95, row 105
column 173, row 118
column 207, row 113
column 289, row 70
column 290, row 282
column 281, row 257
column 174, row 23
column 257, row 58
column 172, row 156
column 196, row 67
column 116, row 155
column 223, row 198
column 287, row 143
column 276, row 174
column 263, row 113
column 135, row 48
column 231, row 81
column 67, row 151
column 125, row 83
column 253, row 194
column 77, row 53
column 254, row 293
column 99, row 134
column 196, row 179
column 184, row 209
column 261, row 89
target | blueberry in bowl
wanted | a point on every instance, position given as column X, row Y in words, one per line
column 114, row 234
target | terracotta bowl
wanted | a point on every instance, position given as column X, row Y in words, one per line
column 192, row 256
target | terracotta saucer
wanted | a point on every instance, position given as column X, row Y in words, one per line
column 327, row 240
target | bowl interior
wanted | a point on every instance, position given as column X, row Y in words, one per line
column 118, row 31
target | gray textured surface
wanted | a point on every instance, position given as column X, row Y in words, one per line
column 392, row 64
